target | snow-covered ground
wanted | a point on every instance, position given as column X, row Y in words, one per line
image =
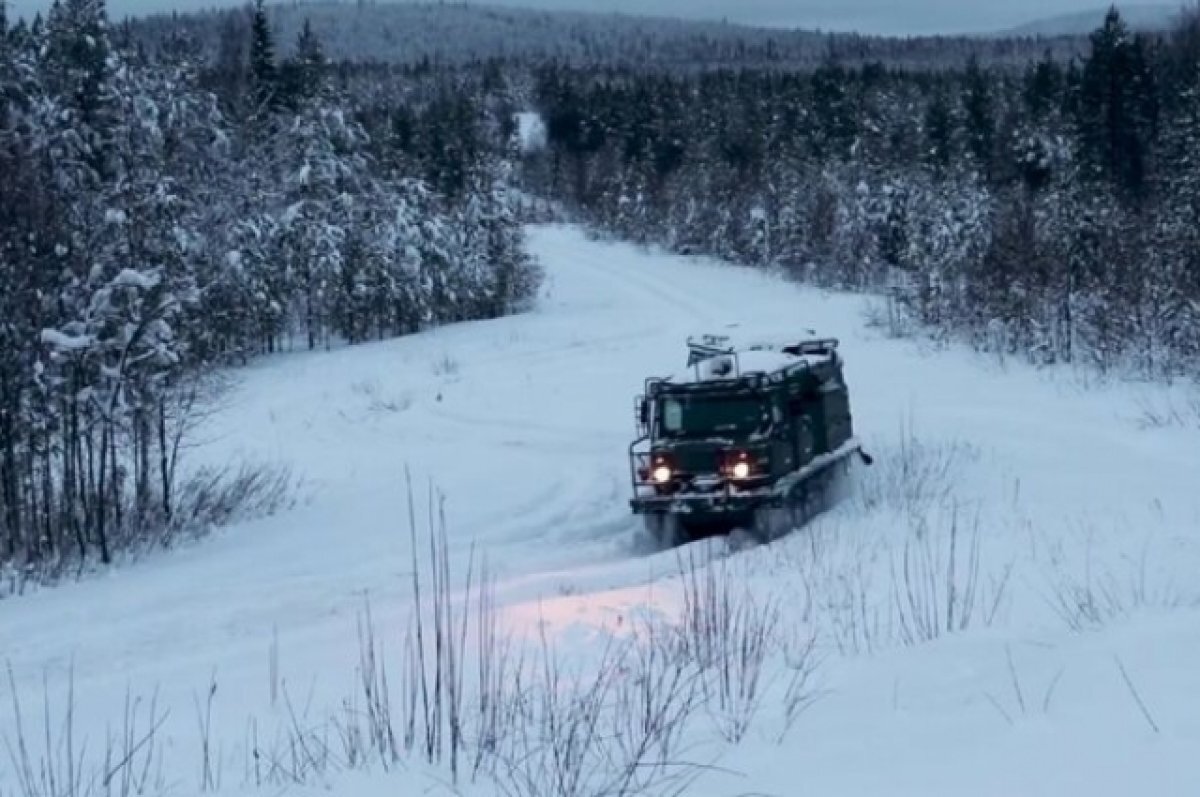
column 1073, row 526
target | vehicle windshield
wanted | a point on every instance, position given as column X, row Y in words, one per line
column 703, row 416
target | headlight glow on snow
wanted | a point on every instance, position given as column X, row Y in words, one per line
column 662, row 474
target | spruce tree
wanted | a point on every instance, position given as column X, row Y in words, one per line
column 939, row 133
column 310, row 56
column 264, row 73
column 77, row 66
column 980, row 117
column 1043, row 87
column 1117, row 107
column 229, row 75
column 302, row 77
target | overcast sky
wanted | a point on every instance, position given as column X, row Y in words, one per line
column 870, row 16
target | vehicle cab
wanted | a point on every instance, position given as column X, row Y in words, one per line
column 723, row 434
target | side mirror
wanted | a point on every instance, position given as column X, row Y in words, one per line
column 644, row 412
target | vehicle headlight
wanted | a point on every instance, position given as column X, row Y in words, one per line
column 662, row 474
column 741, row 470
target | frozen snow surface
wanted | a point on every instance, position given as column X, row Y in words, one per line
column 1070, row 669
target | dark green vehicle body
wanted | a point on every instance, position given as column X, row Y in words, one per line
column 748, row 438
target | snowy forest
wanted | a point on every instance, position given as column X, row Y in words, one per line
column 163, row 219
column 463, row 34
column 1050, row 212
column 184, row 194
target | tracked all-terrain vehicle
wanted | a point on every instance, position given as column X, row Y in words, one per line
column 751, row 437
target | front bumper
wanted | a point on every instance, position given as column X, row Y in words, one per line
column 719, row 503
column 714, row 496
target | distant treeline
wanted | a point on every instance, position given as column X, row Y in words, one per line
column 454, row 34
column 1051, row 212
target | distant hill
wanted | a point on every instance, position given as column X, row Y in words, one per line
column 1141, row 18
column 457, row 32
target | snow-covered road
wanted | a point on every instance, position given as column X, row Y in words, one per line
column 523, row 423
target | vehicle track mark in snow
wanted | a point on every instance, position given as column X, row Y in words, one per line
column 524, row 424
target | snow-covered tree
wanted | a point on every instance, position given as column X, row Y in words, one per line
column 151, row 231
column 1047, row 211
